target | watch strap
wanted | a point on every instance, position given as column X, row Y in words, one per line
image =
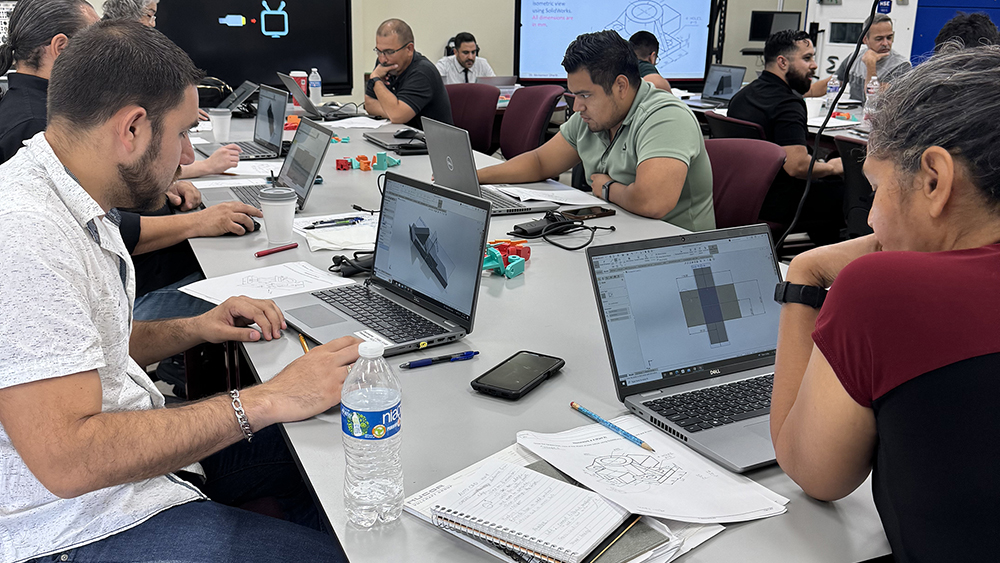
column 811, row 295
column 606, row 190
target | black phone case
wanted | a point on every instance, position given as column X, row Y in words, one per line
column 515, row 395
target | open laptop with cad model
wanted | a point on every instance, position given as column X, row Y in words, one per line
column 454, row 166
column 267, row 128
column 298, row 172
column 721, row 84
column 691, row 327
column 425, row 280
column 238, row 96
column 316, row 112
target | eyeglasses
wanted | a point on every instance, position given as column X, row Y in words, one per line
column 390, row 52
column 151, row 18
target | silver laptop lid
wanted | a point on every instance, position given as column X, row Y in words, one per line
column 270, row 118
column 497, row 81
column 686, row 308
column 450, row 151
column 304, row 158
column 239, row 95
column 722, row 82
column 430, row 245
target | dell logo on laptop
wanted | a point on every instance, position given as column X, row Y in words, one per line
column 715, row 372
column 451, row 166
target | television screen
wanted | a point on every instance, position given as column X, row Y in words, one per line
column 236, row 40
column 546, row 27
column 763, row 24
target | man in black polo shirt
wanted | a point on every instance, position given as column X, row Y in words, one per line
column 647, row 48
column 774, row 101
column 404, row 85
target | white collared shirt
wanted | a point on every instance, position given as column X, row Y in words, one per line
column 453, row 73
column 66, row 297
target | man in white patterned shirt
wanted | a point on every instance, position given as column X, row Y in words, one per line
column 89, row 458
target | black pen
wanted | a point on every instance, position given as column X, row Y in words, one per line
column 335, row 223
column 440, row 359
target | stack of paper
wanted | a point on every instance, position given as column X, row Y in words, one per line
column 360, row 236
column 558, row 193
column 269, row 282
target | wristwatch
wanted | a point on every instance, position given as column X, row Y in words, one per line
column 606, row 190
column 812, row 295
column 373, row 80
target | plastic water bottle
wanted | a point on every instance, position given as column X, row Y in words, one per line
column 871, row 97
column 832, row 89
column 315, row 87
column 369, row 412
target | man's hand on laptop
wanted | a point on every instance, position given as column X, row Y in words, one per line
column 231, row 320
column 183, row 195
column 228, row 217
column 306, row 387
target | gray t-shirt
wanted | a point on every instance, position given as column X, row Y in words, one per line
column 887, row 70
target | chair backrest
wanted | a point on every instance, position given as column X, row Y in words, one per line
column 742, row 172
column 725, row 127
column 528, row 113
column 474, row 108
column 857, row 190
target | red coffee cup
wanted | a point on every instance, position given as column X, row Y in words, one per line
column 303, row 80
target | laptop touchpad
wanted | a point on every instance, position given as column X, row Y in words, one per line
column 315, row 316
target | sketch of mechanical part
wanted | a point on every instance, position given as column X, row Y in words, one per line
column 634, row 472
column 431, row 252
column 657, row 18
column 273, row 23
column 272, row 284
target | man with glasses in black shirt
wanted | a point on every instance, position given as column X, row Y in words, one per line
column 404, row 85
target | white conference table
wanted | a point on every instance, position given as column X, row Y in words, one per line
column 447, row 426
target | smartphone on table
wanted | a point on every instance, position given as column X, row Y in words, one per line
column 514, row 377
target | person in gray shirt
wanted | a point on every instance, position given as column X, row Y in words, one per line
column 876, row 59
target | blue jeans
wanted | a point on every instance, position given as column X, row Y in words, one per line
column 211, row 531
column 169, row 302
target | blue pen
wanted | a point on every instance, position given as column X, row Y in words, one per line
column 462, row 356
column 612, row 427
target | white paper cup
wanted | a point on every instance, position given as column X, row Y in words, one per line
column 814, row 106
column 221, row 118
column 278, row 205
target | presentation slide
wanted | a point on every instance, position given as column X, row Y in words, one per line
column 548, row 27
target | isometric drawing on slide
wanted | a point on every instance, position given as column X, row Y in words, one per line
column 635, row 473
column 711, row 298
column 657, row 18
column 430, row 251
column 273, row 23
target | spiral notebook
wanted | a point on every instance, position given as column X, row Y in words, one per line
column 524, row 511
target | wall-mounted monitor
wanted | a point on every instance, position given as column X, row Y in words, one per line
column 845, row 32
column 763, row 24
column 544, row 28
column 238, row 40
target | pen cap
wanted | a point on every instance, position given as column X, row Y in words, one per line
column 371, row 349
column 277, row 194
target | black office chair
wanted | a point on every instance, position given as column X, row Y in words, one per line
column 858, row 193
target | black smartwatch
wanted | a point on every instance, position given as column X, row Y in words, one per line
column 606, row 190
column 787, row 292
column 373, row 80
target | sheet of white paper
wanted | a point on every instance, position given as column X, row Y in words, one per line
column 199, row 141
column 226, row 182
column 360, row 122
column 255, row 168
column 682, row 94
column 354, row 237
column 268, row 282
column 691, row 535
column 559, row 194
column 202, row 127
column 835, row 123
column 673, row 482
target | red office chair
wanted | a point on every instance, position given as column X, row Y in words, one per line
column 742, row 172
column 725, row 127
column 527, row 115
column 474, row 108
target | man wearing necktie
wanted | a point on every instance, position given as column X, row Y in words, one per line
column 465, row 65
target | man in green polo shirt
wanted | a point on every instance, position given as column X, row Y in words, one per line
column 641, row 147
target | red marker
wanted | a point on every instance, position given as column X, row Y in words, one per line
column 270, row 251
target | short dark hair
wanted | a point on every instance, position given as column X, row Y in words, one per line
column 32, row 26
column 644, row 44
column 396, row 27
column 464, row 37
column 605, row 55
column 125, row 9
column 115, row 64
column 782, row 43
column 879, row 18
column 972, row 30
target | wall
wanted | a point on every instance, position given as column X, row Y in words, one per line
column 738, row 30
column 903, row 18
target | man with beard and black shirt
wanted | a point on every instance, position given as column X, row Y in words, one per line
column 404, row 85
column 774, row 101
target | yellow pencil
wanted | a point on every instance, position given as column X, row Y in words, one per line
column 305, row 347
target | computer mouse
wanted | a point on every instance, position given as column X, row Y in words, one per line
column 256, row 227
column 406, row 134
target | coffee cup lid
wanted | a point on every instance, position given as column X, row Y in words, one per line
column 277, row 193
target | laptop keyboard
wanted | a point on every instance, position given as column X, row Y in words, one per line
column 253, row 149
column 397, row 323
column 501, row 202
column 717, row 406
column 248, row 194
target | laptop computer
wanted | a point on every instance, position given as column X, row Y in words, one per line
column 425, row 281
column 691, row 328
column 454, row 166
column 238, row 96
column 498, row 81
column 327, row 113
column 721, row 84
column 298, row 172
column 266, row 131
column 414, row 144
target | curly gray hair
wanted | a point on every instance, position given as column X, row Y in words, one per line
column 933, row 105
column 125, row 9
